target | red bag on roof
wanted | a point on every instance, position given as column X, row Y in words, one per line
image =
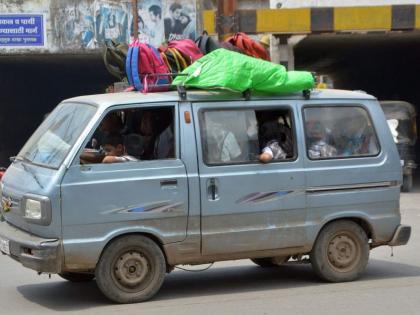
column 249, row 46
column 187, row 48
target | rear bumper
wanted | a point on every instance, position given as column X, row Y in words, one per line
column 401, row 236
column 39, row 254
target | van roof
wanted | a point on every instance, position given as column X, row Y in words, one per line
column 106, row 100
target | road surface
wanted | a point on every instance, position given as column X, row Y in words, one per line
column 390, row 285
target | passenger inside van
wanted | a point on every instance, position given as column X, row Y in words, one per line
column 355, row 138
column 111, row 124
column 93, row 153
column 115, row 151
column 226, row 148
column 244, row 136
column 156, row 130
column 147, row 134
column 275, row 136
column 318, row 145
column 272, row 135
column 164, row 144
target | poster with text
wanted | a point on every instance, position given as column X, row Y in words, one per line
column 180, row 19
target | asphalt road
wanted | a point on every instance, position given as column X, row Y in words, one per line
column 390, row 285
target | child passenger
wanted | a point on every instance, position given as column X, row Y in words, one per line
column 318, row 146
column 115, row 151
column 273, row 138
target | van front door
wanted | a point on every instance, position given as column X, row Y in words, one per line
column 101, row 201
column 247, row 205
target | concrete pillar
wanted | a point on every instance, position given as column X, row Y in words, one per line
column 226, row 21
column 286, row 53
column 282, row 49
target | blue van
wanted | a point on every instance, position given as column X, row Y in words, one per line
column 123, row 187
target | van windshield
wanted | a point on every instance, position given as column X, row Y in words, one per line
column 54, row 138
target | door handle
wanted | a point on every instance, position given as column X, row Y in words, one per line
column 168, row 183
column 212, row 189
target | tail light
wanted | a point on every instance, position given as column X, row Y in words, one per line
column 2, row 171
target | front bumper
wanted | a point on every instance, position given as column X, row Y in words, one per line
column 401, row 236
column 40, row 254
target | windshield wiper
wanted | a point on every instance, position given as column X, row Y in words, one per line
column 29, row 170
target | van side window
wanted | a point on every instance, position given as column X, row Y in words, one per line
column 132, row 135
column 339, row 132
column 240, row 136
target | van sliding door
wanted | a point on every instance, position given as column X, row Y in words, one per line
column 247, row 205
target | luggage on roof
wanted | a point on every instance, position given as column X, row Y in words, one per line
column 146, row 71
column 233, row 71
column 248, row 46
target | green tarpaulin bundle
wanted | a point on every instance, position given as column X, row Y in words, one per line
column 226, row 69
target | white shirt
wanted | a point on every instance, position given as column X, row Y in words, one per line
column 126, row 158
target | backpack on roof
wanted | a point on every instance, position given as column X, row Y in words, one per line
column 114, row 56
column 179, row 54
column 187, row 48
column 206, row 43
column 174, row 60
column 249, row 46
column 229, row 46
column 145, row 68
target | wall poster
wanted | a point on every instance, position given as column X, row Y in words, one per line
column 180, row 19
column 150, row 22
column 74, row 26
column 111, row 20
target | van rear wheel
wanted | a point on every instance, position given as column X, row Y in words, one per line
column 341, row 252
column 131, row 269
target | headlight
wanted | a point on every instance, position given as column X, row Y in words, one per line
column 36, row 209
column 33, row 209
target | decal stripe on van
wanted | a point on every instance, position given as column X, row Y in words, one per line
column 352, row 187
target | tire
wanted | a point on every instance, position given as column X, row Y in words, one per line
column 77, row 277
column 131, row 269
column 270, row 261
column 341, row 252
column 407, row 183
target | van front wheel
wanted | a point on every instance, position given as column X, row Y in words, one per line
column 341, row 252
column 131, row 269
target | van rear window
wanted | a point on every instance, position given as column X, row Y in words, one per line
column 339, row 132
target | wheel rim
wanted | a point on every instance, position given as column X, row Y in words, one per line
column 343, row 252
column 132, row 271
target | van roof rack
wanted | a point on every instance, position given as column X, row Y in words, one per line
column 182, row 90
